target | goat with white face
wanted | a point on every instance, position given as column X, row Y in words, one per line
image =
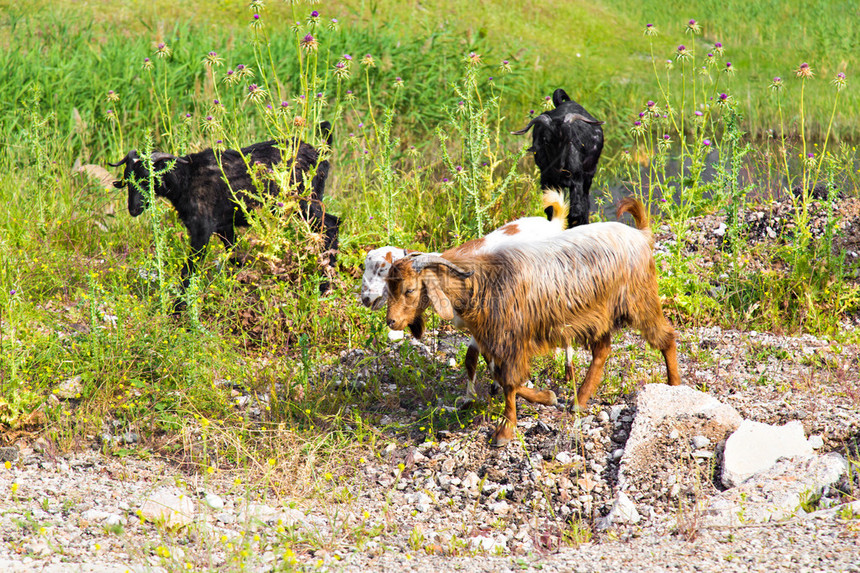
column 379, row 261
column 523, row 300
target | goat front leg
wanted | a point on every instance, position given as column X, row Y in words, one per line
column 545, row 397
column 599, row 352
column 471, row 364
column 198, row 251
column 511, row 383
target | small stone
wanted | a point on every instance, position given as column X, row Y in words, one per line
column 563, row 458
column 395, row 335
column 9, row 454
column 70, row 388
column 603, row 416
column 500, row 507
column 674, row 434
column 816, row 442
column 616, row 455
column 721, row 230
column 701, row 442
column 214, row 501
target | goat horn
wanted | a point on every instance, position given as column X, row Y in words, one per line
column 421, row 262
column 130, row 156
column 539, row 119
column 571, row 117
column 161, row 156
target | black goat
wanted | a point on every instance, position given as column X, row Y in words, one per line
column 567, row 142
column 205, row 188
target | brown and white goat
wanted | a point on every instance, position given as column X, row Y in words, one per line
column 525, row 300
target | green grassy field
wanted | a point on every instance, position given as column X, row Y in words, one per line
column 85, row 289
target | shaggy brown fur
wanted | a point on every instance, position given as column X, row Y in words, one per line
column 525, row 300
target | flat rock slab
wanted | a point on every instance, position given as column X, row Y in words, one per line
column 776, row 493
column 671, row 423
column 754, row 447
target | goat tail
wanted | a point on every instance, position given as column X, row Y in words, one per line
column 638, row 212
column 556, row 207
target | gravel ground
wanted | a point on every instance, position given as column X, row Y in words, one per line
column 456, row 504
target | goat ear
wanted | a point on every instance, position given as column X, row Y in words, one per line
column 440, row 301
column 118, row 184
column 416, row 327
column 559, row 96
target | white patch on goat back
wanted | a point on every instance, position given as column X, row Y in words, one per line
column 528, row 229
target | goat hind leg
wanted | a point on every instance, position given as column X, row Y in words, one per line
column 599, row 352
column 670, row 355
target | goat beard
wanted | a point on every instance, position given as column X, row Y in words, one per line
column 416, row 327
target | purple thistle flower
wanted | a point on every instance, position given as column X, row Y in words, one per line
column 444, row 180
column 285, row 104
column 256, row 16
column 706, row 142
column 649, row 25
column 187, row 115
column 319, row 94
column 13, row 291
column 334, row 20
column 459, row 168
column 209, row 118
column 692, row 22
column 216, row 102
column 724, row 97
column 360, row 125
column 347, row 57
column 698, row 113
column 315, row 14
column 219, row 141
column 841, row 75
column 728, row 64
column 145, row 60
column 505, row 62
column 718, row 45
column 280, row 204
column 637, row 123
column 650, row 103
column 682, row 47
column 666, row 136
column 641, row 114
column 161, row 45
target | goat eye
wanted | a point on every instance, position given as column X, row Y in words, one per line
column 409, row 291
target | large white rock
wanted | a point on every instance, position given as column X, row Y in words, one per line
column 660, row 407
column 776, row 493
column 168, row 507
column 754, row 447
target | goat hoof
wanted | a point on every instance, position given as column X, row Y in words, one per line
column 553, row 399
column 577, row 409
column 500, row 442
